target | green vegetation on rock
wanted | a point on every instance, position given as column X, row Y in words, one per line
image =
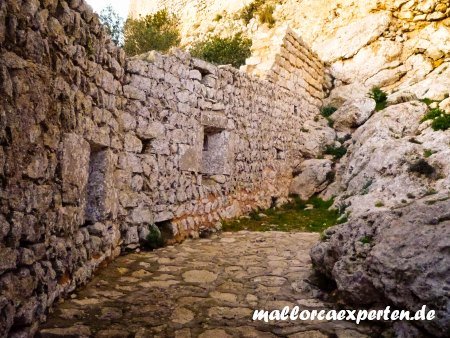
column 313, row 215
column 265, row 15
column 337, row 152
column 249, row 11
column 259, row 8
column 232, row 50
column 154, row 239
column 159, row 31
column 380, row 98
column 327, row 111
column 440, row 119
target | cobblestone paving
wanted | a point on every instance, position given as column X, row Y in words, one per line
column 201, row 288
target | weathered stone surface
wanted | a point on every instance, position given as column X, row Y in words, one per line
column 159, row 290
column 353, row 114
column 314, row 137
column 75, row 167
column 313, row 177
column 368, row 264
column 348, row 40
column 376, row 172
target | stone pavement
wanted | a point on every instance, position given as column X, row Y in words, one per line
column 201, row 288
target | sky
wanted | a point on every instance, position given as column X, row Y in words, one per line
column 120, row 6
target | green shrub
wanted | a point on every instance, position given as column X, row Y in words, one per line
column 427, row 101
column 427, row 153
column 248, row 12
column 159, row 31
column 337, row 152
column 422, row 167
column 441, row 120
column 433, row 114
column 366, row 239
column 154, row 239
column 379, row 204
column 327, row 111
column 265, row 15
column 380, row 98
column 441, row 123
column 231, row 50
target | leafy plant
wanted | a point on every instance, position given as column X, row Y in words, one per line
column 327, row 111
column 427, row 153
column 428, row 101
column 231, row 50
column 366, row 239
column 432, row 114
column 154, row 239
column 248, row 12
column 114, row 23
column 380, row 98
column 441, row 123
column 379, row 204
column 337, row 152
column 441, row 120
column 159, row 31
column 265, row 15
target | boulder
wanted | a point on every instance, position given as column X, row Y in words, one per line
column 399, row 258
column 313, row 177
column 353, row 114
column 314, row 136
column 343, row 94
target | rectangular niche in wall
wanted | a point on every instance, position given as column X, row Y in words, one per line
column 215, row 151
column 101, row 202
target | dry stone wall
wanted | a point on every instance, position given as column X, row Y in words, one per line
column 94, row 149
column 282, row 57
column 204, row 143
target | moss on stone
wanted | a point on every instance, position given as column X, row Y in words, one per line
column 294, row 216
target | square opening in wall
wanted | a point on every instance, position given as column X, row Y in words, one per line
column 215, row 151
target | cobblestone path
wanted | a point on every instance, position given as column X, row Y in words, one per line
column 201, row 288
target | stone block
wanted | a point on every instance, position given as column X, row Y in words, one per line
column 74, row 168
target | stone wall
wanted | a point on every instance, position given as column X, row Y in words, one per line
column 283, row 57
column 60, row 102
column 95, row 149
column 204, row 143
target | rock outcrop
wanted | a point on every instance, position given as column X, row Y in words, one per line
column 377, row 171
column 399, row 257
column 313, row 177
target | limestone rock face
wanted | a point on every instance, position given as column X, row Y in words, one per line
column 353, row 114
column 349, row 39
column 314, row 137
column 314, row 176
column 401, row 256
column 376, row 172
